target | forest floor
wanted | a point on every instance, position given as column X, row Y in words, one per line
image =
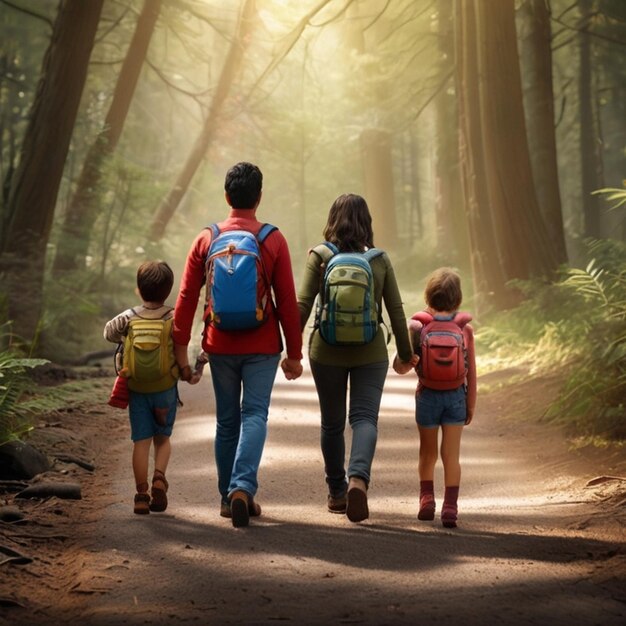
column 539, row 540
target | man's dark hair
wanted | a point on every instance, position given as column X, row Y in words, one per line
column 155, row 280
column 243, row 185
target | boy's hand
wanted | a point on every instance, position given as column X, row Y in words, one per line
column 195, row 378
column 292, row 368
column 404, row 367
column 186, row 373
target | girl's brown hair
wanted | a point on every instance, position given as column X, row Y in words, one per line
column 349, row 224
column 443, row 290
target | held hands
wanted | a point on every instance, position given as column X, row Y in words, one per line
column 190, row 376
column 292, row 368
column 404, row 367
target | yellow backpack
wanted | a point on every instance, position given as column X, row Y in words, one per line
column 148, row 360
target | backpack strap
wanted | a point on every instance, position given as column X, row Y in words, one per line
column 265, row 230
column 422, row 316
column 372, row 253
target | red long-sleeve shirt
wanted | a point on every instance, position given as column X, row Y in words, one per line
column 262, row 340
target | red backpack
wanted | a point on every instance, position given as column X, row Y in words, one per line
column 442, row 350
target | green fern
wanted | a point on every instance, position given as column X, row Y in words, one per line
column 15, row 412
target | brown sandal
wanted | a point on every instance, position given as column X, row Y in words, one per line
column 158, row 503
column 142, row 500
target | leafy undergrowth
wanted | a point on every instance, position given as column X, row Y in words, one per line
column 575, row 327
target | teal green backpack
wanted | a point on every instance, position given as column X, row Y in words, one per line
column 347, row 312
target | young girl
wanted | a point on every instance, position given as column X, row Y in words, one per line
column 442, row 400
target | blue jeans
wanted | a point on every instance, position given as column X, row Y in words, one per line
column 241, row 419
column 366, row 390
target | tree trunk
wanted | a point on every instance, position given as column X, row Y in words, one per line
column 35, row 184
column 488, row 278
column 83, row 210
column 378, row 173
column 524, row 246
column 539, row 105
column 229, row 71
column 589, row 142
column 449, row 214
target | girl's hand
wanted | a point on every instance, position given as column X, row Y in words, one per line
column 468, row 419
column 404, row 367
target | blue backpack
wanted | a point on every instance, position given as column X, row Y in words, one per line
column 238, row 290
column 347, row 313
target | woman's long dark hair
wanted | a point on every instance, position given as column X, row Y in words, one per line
column 349, row 224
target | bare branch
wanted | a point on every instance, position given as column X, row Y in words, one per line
column 38, row 16
column 290, row 41
column 586, row 29
column 332, row 19
column 196, row 96
column 113, row 25
column 377, row 17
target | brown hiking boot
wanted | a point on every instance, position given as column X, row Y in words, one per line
column 142, row 500
column 337, row 504
column 239, row 510
column 254, row 509
column 158, row 503
column 356, row 505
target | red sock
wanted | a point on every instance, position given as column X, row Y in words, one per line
column 449, row 509
column 427, row 500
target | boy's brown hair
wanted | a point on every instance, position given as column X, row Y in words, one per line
column 443, row 290
column 155, row 280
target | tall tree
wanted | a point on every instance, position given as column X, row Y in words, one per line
column 488, row 276
column 536, row 54
column 451, row 229
column 82, row 210
column 590, row 153
column 524, row 246
column 35, row 184
column 229, row 72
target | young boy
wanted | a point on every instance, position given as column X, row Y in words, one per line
column 446, row 393
column 152, row 412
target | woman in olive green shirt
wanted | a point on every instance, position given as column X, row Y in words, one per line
column 349, row 228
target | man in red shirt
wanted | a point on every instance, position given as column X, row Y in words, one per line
column 239, row 359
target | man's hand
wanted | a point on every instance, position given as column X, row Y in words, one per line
column 292, row 368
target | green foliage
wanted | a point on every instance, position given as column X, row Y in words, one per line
column 578, row 325
column 15, row 411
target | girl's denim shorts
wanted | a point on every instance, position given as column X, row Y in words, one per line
column 435, row 408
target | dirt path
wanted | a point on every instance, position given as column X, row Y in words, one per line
column 534, row 544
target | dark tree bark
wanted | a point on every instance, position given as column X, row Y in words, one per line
column 536, row 55
column 229, row 72
column 524, row 246
column 488, row 277
column 82, row 210
column 35, row 184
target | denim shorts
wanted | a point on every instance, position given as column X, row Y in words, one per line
column 435, row 408
column 141, row 412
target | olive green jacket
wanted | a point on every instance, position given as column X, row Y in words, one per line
column 385, row 289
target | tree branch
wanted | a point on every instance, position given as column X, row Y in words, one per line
column 38, row 16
